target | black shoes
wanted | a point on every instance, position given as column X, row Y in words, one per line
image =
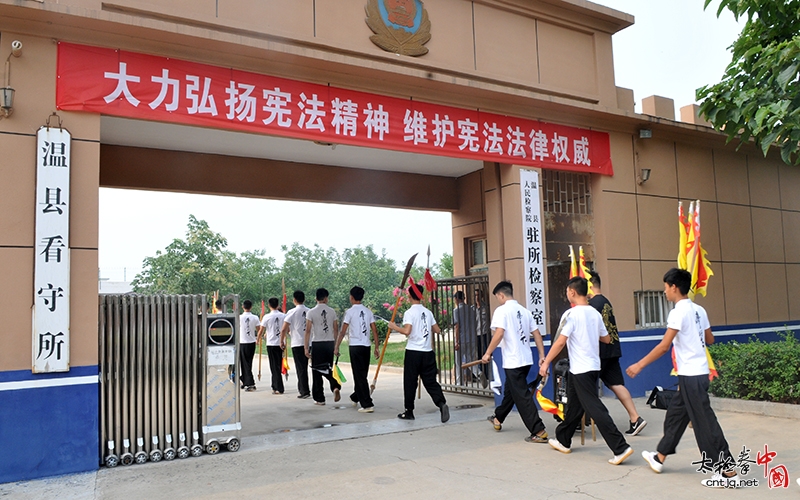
column 445, row 411
column 406, row 415
column 636, row 427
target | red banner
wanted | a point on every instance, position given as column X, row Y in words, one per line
column 118, row 83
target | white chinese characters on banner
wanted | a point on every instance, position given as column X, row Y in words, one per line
column 51, row 270
column 533, row 243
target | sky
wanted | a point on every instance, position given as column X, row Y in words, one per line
column 673, row 48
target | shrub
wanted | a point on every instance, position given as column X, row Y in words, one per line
column 759, row 371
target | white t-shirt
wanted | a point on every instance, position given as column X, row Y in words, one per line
column 272, row 323
column 248, row 328
column 359, row 318
column 322, row 318
column 583, row 326
column 691, row 321
column 421, row 320
column 517, row 324
column 297, row 324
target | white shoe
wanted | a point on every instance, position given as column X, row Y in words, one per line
column 618, row 459
column 650, row 458
column 366, row 410
column 556, row 445
column 720, row 481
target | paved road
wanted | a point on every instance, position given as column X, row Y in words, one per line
column 379, row 456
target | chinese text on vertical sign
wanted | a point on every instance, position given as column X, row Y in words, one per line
column 51, row 276
column 533, row 243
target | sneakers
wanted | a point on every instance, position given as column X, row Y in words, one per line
column 277, row 392
column 651, row 457
column 319, row 403
column 720, row 481
column 366, row 410
column 406, row 415
column 618, row 459
column 556, row 445
column 636, row 427
column 497, row 425
column 445, row 411
column 303, row 396
column 537, row 438
column 251, row 388
column 337, row 395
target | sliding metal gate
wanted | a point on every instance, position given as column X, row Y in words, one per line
column 153, row 378
column 464, row 301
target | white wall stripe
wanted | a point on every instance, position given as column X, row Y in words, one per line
column 50, row 382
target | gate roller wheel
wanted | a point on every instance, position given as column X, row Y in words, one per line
column 126, row 459
column 140, row 457
column 212, row 448
column 112, row 461
column 197, row 450
column 183, row 452
column 156, row 456
column 233, row 445
column 169, row 454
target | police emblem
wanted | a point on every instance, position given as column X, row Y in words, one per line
column 400, row 26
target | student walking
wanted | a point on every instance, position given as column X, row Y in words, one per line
column 420, row 360
column 689, row 331
column 320, row 340
column 248, row 328
column 271, row 327
column 295, row 323
column 359, row 322
column 610, row 370
column 513, row 326
column 582, row 330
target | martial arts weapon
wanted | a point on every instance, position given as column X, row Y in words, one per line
column 471, row 363
column 406, row 274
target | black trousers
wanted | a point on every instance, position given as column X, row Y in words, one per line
column 246, row 354
column 691, row 404
column 420, row 364
column 275, row 355
column 582, row 396
column 359, row 362
column 301, row 366
column 321, row 367
column 517, row 392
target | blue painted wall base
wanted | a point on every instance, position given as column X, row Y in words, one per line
column 48, row 431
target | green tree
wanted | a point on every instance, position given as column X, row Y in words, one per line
column 198, row 264
column 444, row 269
column 307, row 269
column 256, row 277
column 377, row 275
column 759, row 95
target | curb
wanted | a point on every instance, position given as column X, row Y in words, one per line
column 766, row 408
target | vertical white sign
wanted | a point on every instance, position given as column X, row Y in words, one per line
column 533, row 245
column 51, row 250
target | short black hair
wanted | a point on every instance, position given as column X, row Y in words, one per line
column 580, row 285
column 680, row 278
column 357, row 293
column 273, row 302
column 321, row 293
column 504, row 287
column 595, row 278
column 247, row 304
column 416, row 290
column 299, row 296
column 459, row 295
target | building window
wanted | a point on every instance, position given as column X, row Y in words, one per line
column 652, row 308
column 566, row 192
column 478, row 260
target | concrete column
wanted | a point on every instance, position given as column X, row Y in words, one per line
column 51, row 428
